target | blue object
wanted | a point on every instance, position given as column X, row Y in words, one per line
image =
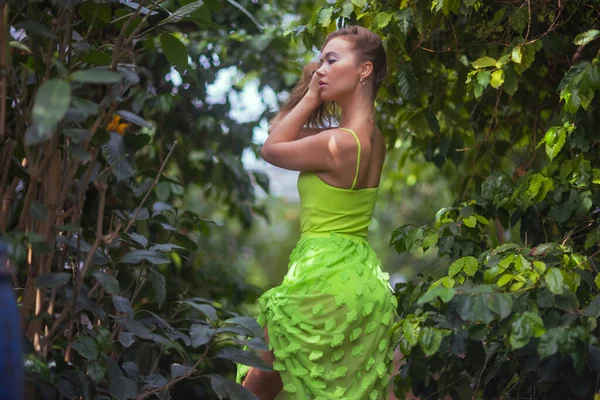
column 11, row 353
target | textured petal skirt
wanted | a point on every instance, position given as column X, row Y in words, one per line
column 329, row 322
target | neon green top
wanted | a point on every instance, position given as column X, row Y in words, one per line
column 346, row 211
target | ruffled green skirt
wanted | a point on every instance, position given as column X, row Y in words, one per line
column 329, row 322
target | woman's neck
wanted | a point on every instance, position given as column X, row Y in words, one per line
column 354, row 106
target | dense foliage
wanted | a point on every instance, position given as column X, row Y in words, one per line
column 502, row 97
column 105, row 127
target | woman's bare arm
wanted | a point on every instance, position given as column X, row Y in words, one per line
column 304, row 132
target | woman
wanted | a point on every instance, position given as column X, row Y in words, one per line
column 328, row 324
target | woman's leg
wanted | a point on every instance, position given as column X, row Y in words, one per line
column 265, row 385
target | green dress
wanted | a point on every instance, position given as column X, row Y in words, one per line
column 329, row 321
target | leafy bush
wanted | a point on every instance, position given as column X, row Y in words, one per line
column 119, row 297
column 503, row 98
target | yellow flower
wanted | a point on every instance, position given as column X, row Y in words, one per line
column 117, row 126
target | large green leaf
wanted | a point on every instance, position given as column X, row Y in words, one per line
column 175, row 51
column 405, row 19
column 524, row 327
column 86, row 346
column 137, row 256
column 51, row 103
column 484, row 62
column 109, row 282
column 243, row 357
column 227, row 389
column 159, row 285
column 96, row 75
column 201, row 334
column 407, row 81
column 134, row 118
column 586, row 37
column 430, row 340
column 117, row 154
column 554, row 280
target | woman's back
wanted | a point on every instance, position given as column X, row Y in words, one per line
column 347, row 211
column 373, row 150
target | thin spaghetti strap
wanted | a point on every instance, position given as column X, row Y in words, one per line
column 358, row 161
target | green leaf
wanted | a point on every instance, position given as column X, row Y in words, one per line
column 554, row 280
column 243, row 357
column 117, row 153
column 593, row 309
column 96, row 75
column 324, row 16
column 470, row 263
column 504, row 279
column 484, row 62
column 411, row 331
column 122, row 304
column 549, row 342
column 516, row 55
column 444, row 293
column 51, row 103
column 359, row 3
column 175, row 51
column 86, row 346
column 134, row 118
column 555, row 139
column 159, row 286
column 523, row 328
column 248, row 323
column 201, row 334
column 182, row 12
column 89, row 107
column 511, row 80
column 205, row 309
column 470, row 221
column 95, row 14
column 109, row 282
column 153, row 381
column 20, row 46
column 126, row 339
column 382, row 19
column 166, row 247
column 228, row 389
column 77, row 135
column 501, row 304
column 52, row 280
column 137, row 256
column 470, row 267
column 32, row 27
column 95, row 370
column 497, row 78
column 407, row 82
column 586, row 37
column 430, row 340
column 483, row 78
column 405, row 19
column 137, row 238
column 95, row 57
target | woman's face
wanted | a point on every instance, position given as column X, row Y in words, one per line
column 339, row 70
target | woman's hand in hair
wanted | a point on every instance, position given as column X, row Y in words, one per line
column 312, row 92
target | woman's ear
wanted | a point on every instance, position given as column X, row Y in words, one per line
column 366, row 69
